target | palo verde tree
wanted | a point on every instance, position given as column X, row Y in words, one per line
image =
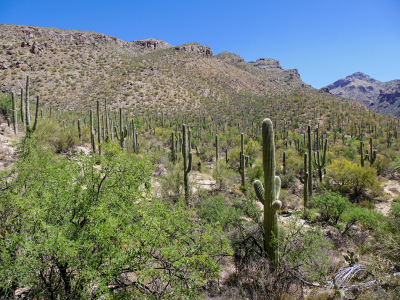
column 73, row 230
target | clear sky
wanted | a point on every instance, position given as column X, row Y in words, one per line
column 324, row 39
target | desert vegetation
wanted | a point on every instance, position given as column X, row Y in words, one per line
column 185, row 182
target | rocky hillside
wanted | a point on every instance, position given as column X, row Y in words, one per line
column 379, row 96
column 71, row 69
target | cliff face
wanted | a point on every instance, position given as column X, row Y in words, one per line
column 267, row 67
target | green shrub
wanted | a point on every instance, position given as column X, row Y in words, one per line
column 5, row 104
column 350, row 177
column 215, row 210
column 73, row 229
column 330, row 206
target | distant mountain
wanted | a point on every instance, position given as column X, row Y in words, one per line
column 383, row 97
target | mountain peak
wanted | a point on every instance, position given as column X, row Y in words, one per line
column 362, row 76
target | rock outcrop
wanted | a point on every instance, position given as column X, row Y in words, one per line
column 267, row 67
column 195, row 48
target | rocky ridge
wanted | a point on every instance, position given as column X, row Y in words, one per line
column 382, row 97
column 267, row 67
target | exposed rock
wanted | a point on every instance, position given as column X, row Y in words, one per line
column 196, row 48
column 362, row 88
column 267, row 67
column 388, row 101
column 3, row 65
column 268, row 64
column 324, row 90
column 151, row 44
column 36, row 48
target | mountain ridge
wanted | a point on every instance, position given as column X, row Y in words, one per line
column 378, row 96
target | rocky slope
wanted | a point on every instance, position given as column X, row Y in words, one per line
column 71, row 69
column 382, row 97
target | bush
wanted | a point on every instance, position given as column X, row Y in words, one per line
column 215, row 210
column 350, row 177
column 76, row 231
column 330, row 206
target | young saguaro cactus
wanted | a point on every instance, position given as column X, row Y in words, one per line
column 269, row 196
column 187, row 163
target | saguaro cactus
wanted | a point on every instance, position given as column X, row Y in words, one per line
column 320, row 162
column 98, row 126
column 371, row 156
column 269, row 195
column 123, row 132
column 187, row 163
column 216, row 152
column 15, row 113
column 309, row 162
column 242, row 165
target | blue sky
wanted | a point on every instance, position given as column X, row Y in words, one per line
column 324, row 39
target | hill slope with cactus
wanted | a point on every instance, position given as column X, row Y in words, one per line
column 70, row 67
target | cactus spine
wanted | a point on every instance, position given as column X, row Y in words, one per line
column 269, row 196
column 187, row 163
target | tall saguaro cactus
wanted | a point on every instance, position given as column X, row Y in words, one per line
column 310, row 177
column 269, row 196
column 123, row 132
column 187, row 163
column 242, row 165
column 15, row 113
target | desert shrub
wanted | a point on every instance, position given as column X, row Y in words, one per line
column 287, row 180
column 330, row 206
column 254, row 173
column 77, row 231
column 5, row 104
column 396, row 208
column 350, row 177
column 222, row 175
column 381, row 164
column 214, row 209
column 303, row 256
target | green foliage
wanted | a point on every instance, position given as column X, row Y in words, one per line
column 5, row 104
column 304, row 249
column 396, row 208
column 73, row 230
column 336, row 210
column 287, row 180
column 330, row 206
column 350, row 177
column 214, row 209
